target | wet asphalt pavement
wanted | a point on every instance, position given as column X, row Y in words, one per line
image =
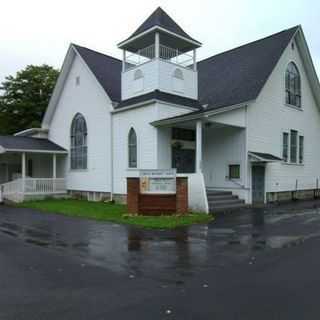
column 257, row 264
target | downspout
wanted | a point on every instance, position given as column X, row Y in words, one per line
column 111, row 156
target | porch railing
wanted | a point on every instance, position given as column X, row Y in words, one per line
column 17, row 189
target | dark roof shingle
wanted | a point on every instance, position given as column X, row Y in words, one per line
column 28, row 143
column 229, row 78
column 162, row 96
column 238, row 75
column 161, row 19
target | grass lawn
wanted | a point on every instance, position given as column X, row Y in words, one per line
column 114, row 213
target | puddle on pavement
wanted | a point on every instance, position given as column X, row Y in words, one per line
column 177, row 253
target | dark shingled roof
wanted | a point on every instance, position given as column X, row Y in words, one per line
column 160, row 18
column 106, row 69
column 28, row 143
column 232, row 77
column 162, row 96
column 238, row 75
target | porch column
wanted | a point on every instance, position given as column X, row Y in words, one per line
column 199, row 146
column 194, row 60
column 54, row 166
column 157, row 45
column 54, row 171
column 23, row 170
column 124, row 62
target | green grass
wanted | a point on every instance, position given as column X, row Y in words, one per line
column 114, row 213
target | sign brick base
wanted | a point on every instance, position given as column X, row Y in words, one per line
column 157, row 204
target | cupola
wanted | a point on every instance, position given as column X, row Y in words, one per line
column 159, row 55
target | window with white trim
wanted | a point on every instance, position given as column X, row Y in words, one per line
column 285, row 146
column 301, row 149
column 293, row 146
column 78, row 139
column 132, row 149
column 293, row 85
column 234, row 171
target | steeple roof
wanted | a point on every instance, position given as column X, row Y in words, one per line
column 161, row 19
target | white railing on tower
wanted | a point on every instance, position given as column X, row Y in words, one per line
column 165, row 53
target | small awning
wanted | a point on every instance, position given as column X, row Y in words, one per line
column 262, row 157
column 28, row 144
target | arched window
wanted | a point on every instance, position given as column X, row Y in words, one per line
column 132, row 149
column 79, row 142
column 178, row 74
column 293, row 85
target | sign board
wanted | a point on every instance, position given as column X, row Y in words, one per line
column 158, row 181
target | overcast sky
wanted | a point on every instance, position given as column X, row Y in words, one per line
column 37, row 32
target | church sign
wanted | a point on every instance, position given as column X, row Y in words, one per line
column 158, row 181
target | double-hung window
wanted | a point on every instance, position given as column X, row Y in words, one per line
column 285, row 146
column 301, row 149
column 293, row 146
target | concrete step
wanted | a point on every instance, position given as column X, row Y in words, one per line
column 221, row 197
column 218, row 193
column 225, row 202
column 227, row 208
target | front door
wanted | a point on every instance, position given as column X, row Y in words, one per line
column 258, row 184
column 183, row 160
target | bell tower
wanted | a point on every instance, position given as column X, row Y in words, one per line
column 161, row 56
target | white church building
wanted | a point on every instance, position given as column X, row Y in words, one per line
column 242, row 125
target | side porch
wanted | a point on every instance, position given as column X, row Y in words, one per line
column 31, row 168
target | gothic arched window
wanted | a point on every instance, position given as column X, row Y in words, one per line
column 78, row 138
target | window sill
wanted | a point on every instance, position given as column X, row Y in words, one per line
column 78, row 170
column 293, row 107
column 292, row 164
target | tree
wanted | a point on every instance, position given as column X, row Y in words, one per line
column 25, row 98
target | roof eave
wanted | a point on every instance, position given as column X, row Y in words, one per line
column 4, row 150
column 311, row 71
column 30, row 131
column 123, row 44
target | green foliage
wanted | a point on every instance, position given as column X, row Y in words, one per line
column 25, row 97
column 114, row 213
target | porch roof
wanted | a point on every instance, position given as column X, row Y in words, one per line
column 263, row 157
column 28, row 144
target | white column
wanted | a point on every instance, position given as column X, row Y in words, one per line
column 54, row 166
column 124, row 58
column 157, row 45
column 54, row 171
column 23, row 165
column 194, row 60
column 199, row 146
column 23, row 170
